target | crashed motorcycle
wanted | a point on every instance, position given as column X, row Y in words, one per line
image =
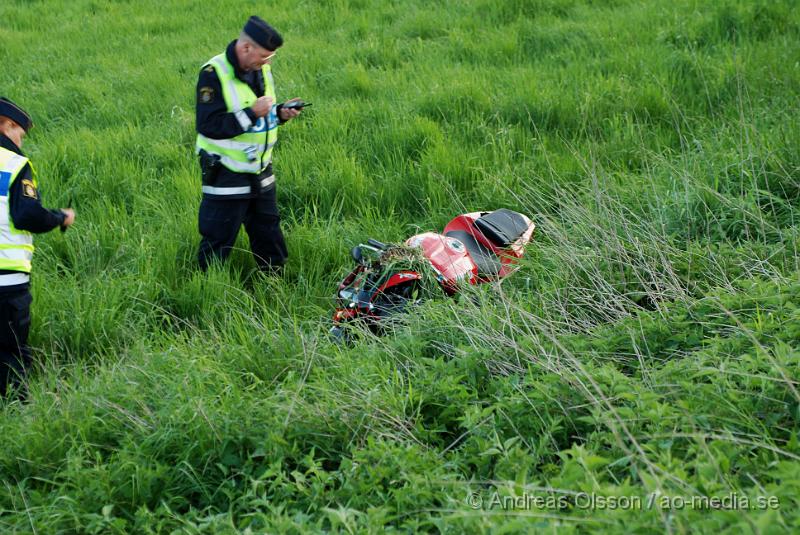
column 473, row 248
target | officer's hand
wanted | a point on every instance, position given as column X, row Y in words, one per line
column 262, row 106
column 289, row 113
column 70, row 219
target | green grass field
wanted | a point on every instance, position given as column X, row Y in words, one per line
column 646, row 353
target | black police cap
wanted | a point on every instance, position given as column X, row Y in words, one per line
column 262, row 33
column 15, row 113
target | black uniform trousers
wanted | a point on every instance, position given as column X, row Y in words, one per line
column 220, row 220
column 15, row 323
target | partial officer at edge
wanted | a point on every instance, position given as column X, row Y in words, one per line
column 21, row 216
column 237, row 128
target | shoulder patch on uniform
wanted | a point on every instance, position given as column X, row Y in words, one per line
column 206, row 94
column 28, row 189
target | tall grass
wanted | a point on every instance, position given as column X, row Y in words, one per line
column 646, row 347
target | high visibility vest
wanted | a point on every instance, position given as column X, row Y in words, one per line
column 16, row 246
column 251, row 151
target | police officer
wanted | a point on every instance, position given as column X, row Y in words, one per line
column 237, row 127
column 21, row 216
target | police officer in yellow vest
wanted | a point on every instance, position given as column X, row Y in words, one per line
column 237, row 127
column 21, row 216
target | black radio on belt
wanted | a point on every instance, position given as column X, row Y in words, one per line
column 209, row 166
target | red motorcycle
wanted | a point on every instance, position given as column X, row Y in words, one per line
column 474, row 248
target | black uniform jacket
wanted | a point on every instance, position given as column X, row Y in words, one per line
column 215, row 121
column 25, row 206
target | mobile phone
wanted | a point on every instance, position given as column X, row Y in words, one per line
column 296, row 105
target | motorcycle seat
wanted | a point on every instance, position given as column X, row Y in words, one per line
column 487, row 262
column 502, row 227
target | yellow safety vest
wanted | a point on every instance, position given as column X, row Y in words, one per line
column 251, row 151
column 16, row 246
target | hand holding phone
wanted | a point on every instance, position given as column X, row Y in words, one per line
column 295, row 105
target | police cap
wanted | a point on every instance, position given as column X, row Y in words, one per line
column 15, row 113
column 262, row 33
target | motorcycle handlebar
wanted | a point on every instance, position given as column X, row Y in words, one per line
column 377, row 244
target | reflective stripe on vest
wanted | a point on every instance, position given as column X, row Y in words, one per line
column 12, row 279
column 267, row 181
column 16, row 246
column 251, row 151
column 236, row 190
